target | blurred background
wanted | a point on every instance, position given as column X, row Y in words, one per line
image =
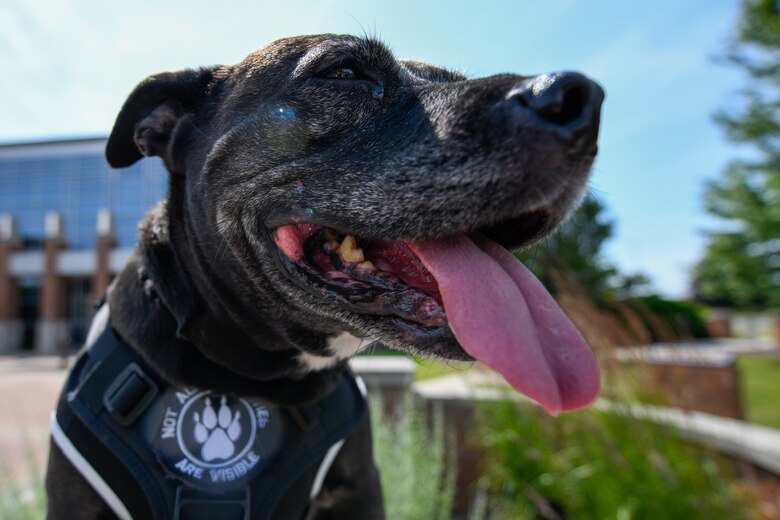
column 671, row 267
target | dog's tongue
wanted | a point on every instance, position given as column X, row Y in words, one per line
column 503, row 316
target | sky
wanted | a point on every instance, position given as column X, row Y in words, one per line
column 68, row 66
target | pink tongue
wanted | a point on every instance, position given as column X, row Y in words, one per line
column 503, row 316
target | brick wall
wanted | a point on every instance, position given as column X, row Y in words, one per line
column 712, row 389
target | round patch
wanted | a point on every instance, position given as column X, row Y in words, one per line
column 216, row 441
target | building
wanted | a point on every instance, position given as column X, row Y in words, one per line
column 68, row 223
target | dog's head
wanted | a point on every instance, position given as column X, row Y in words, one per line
column 325, row 183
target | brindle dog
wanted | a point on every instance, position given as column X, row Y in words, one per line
column 323, row 192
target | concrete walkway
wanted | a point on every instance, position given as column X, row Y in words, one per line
column 29, row 387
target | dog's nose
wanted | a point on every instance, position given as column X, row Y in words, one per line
column 568, row 100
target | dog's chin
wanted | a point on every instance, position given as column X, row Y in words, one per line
column 382, row 284
column 413, row 338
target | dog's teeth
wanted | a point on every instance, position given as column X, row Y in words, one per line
column 349, row 250
column 368, row 265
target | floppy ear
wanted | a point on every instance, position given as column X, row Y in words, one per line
column 148, row 118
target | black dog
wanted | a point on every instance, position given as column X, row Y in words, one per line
column 322, row 193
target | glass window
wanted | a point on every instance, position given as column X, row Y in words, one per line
column 78, row 186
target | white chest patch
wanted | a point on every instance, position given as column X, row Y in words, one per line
column 341, row 347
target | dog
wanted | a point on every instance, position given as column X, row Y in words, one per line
column 321, row 193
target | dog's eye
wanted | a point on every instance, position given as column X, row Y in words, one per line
column 340, row 73
column 347, row 70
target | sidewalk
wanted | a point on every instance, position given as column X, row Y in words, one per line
column 29, row 387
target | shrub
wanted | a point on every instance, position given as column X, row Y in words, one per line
column 595, row 464
column 418, row 473
column 686, row 319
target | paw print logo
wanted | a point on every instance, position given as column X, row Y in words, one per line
column 213, row 440
column 216, row 431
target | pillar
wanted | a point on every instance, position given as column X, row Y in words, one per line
column 51, row 331
column 103, row 246
column 11, row 329
column 719, row 322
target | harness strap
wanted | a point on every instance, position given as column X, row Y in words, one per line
column 109, row 423
column 87, row 471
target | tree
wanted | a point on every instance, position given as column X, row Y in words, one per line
column 741, row 263
column 575, row 251
column 609, row 307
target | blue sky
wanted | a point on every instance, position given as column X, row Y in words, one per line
column 67, row 67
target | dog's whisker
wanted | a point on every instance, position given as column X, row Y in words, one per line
column 536, row 251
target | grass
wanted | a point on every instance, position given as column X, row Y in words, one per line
column 760, row 380
column 22, row 501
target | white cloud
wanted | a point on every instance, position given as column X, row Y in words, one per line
column 73, row 63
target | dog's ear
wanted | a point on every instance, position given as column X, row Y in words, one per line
column 148, row 118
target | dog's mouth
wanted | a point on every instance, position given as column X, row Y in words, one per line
column 497, row 310
column 367, row 276
column 380, row 277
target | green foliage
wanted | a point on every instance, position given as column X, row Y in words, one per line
column 760, row 24
column 741, row 265
column 418, row 474
column 593, row 464
column 760, row 377
column 684, row 318
column 729, row 275
column 576, row 250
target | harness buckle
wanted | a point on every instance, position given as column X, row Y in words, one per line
column 234, row 505
column 129, row 395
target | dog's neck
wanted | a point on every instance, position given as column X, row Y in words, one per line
column 158, row 307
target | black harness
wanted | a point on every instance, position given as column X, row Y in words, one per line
column 156, row 452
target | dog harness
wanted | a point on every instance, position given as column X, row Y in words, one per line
column 152, row 451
